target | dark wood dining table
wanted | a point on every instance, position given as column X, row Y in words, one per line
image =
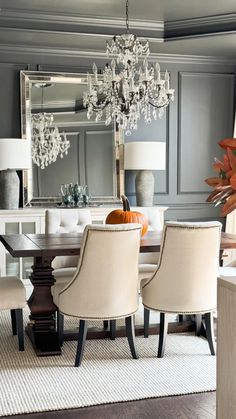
column 44, row 247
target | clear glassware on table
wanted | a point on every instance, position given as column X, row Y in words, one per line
column 85, row 195
column 78, row 194
column 67, row 194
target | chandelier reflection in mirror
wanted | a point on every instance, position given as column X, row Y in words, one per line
column 128, row 90
column 47, row 142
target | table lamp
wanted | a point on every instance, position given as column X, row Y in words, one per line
column 15, row 154
column 144, row 156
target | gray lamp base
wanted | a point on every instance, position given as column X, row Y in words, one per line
column 9, row 189
column 144, row 185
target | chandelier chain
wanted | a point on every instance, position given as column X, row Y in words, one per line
column 127, row 16
column 42, row 98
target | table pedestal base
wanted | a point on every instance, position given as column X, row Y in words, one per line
column 98, row 333
column 41, row 328
column 44, row 343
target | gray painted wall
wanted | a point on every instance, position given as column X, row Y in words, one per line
column 201, row 115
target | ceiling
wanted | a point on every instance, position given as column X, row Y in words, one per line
column 139, row 9
column 186, row 27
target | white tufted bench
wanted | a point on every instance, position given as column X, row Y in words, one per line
column 68, row 220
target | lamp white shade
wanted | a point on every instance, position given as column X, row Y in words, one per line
column 145, row 155
column 15, row 153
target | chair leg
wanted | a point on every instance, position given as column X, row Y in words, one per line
column 130, row 333
column 105, row 324
column 162, row 335
column 181, row 318
column 81, row 342
column 146, row 322
column 60, row 327
column 13, row 322
column 112, row 329
column 198, row 322
column 210, row 332
column 20, row 329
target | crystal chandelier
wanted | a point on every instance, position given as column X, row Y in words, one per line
column 47, row 142
column 128, row 90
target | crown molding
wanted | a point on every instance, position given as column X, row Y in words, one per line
column 200, row 26
column 155, row 31
column 48, row 52
column 23, row 34
column 81, row 23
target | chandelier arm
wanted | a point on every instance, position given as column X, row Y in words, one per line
column 102, row 106
column 159, row 106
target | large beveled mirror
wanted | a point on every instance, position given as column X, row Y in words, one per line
column 95, row 154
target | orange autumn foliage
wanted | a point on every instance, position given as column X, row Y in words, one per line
column 228, row 143
column 225, row 184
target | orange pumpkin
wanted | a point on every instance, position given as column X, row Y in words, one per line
column 125, row 215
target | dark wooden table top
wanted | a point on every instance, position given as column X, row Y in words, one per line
column 38, row 245
column 23, row 245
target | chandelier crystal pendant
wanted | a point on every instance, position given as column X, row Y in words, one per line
column 47, row 142
column 129, row 87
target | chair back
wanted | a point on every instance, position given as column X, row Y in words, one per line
column 186, row 278
column 68, row 220
column 106, row 281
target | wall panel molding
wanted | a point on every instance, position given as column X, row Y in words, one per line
column 205, row 115
column 99, row 150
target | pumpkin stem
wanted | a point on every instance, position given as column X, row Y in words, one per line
column 126, row 204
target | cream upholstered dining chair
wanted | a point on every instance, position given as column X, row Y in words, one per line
column 185, row 280
column 67, row 220
column 147, row 261
column 13, row 298
column 105, row 285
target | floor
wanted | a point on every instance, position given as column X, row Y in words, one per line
column 194, row 406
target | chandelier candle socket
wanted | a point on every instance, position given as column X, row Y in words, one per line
column 128, row 90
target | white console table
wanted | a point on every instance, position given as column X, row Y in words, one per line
column 32, row 220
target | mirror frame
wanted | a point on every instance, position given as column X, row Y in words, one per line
column 27, row 78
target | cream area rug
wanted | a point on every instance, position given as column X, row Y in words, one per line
column 108, row 374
